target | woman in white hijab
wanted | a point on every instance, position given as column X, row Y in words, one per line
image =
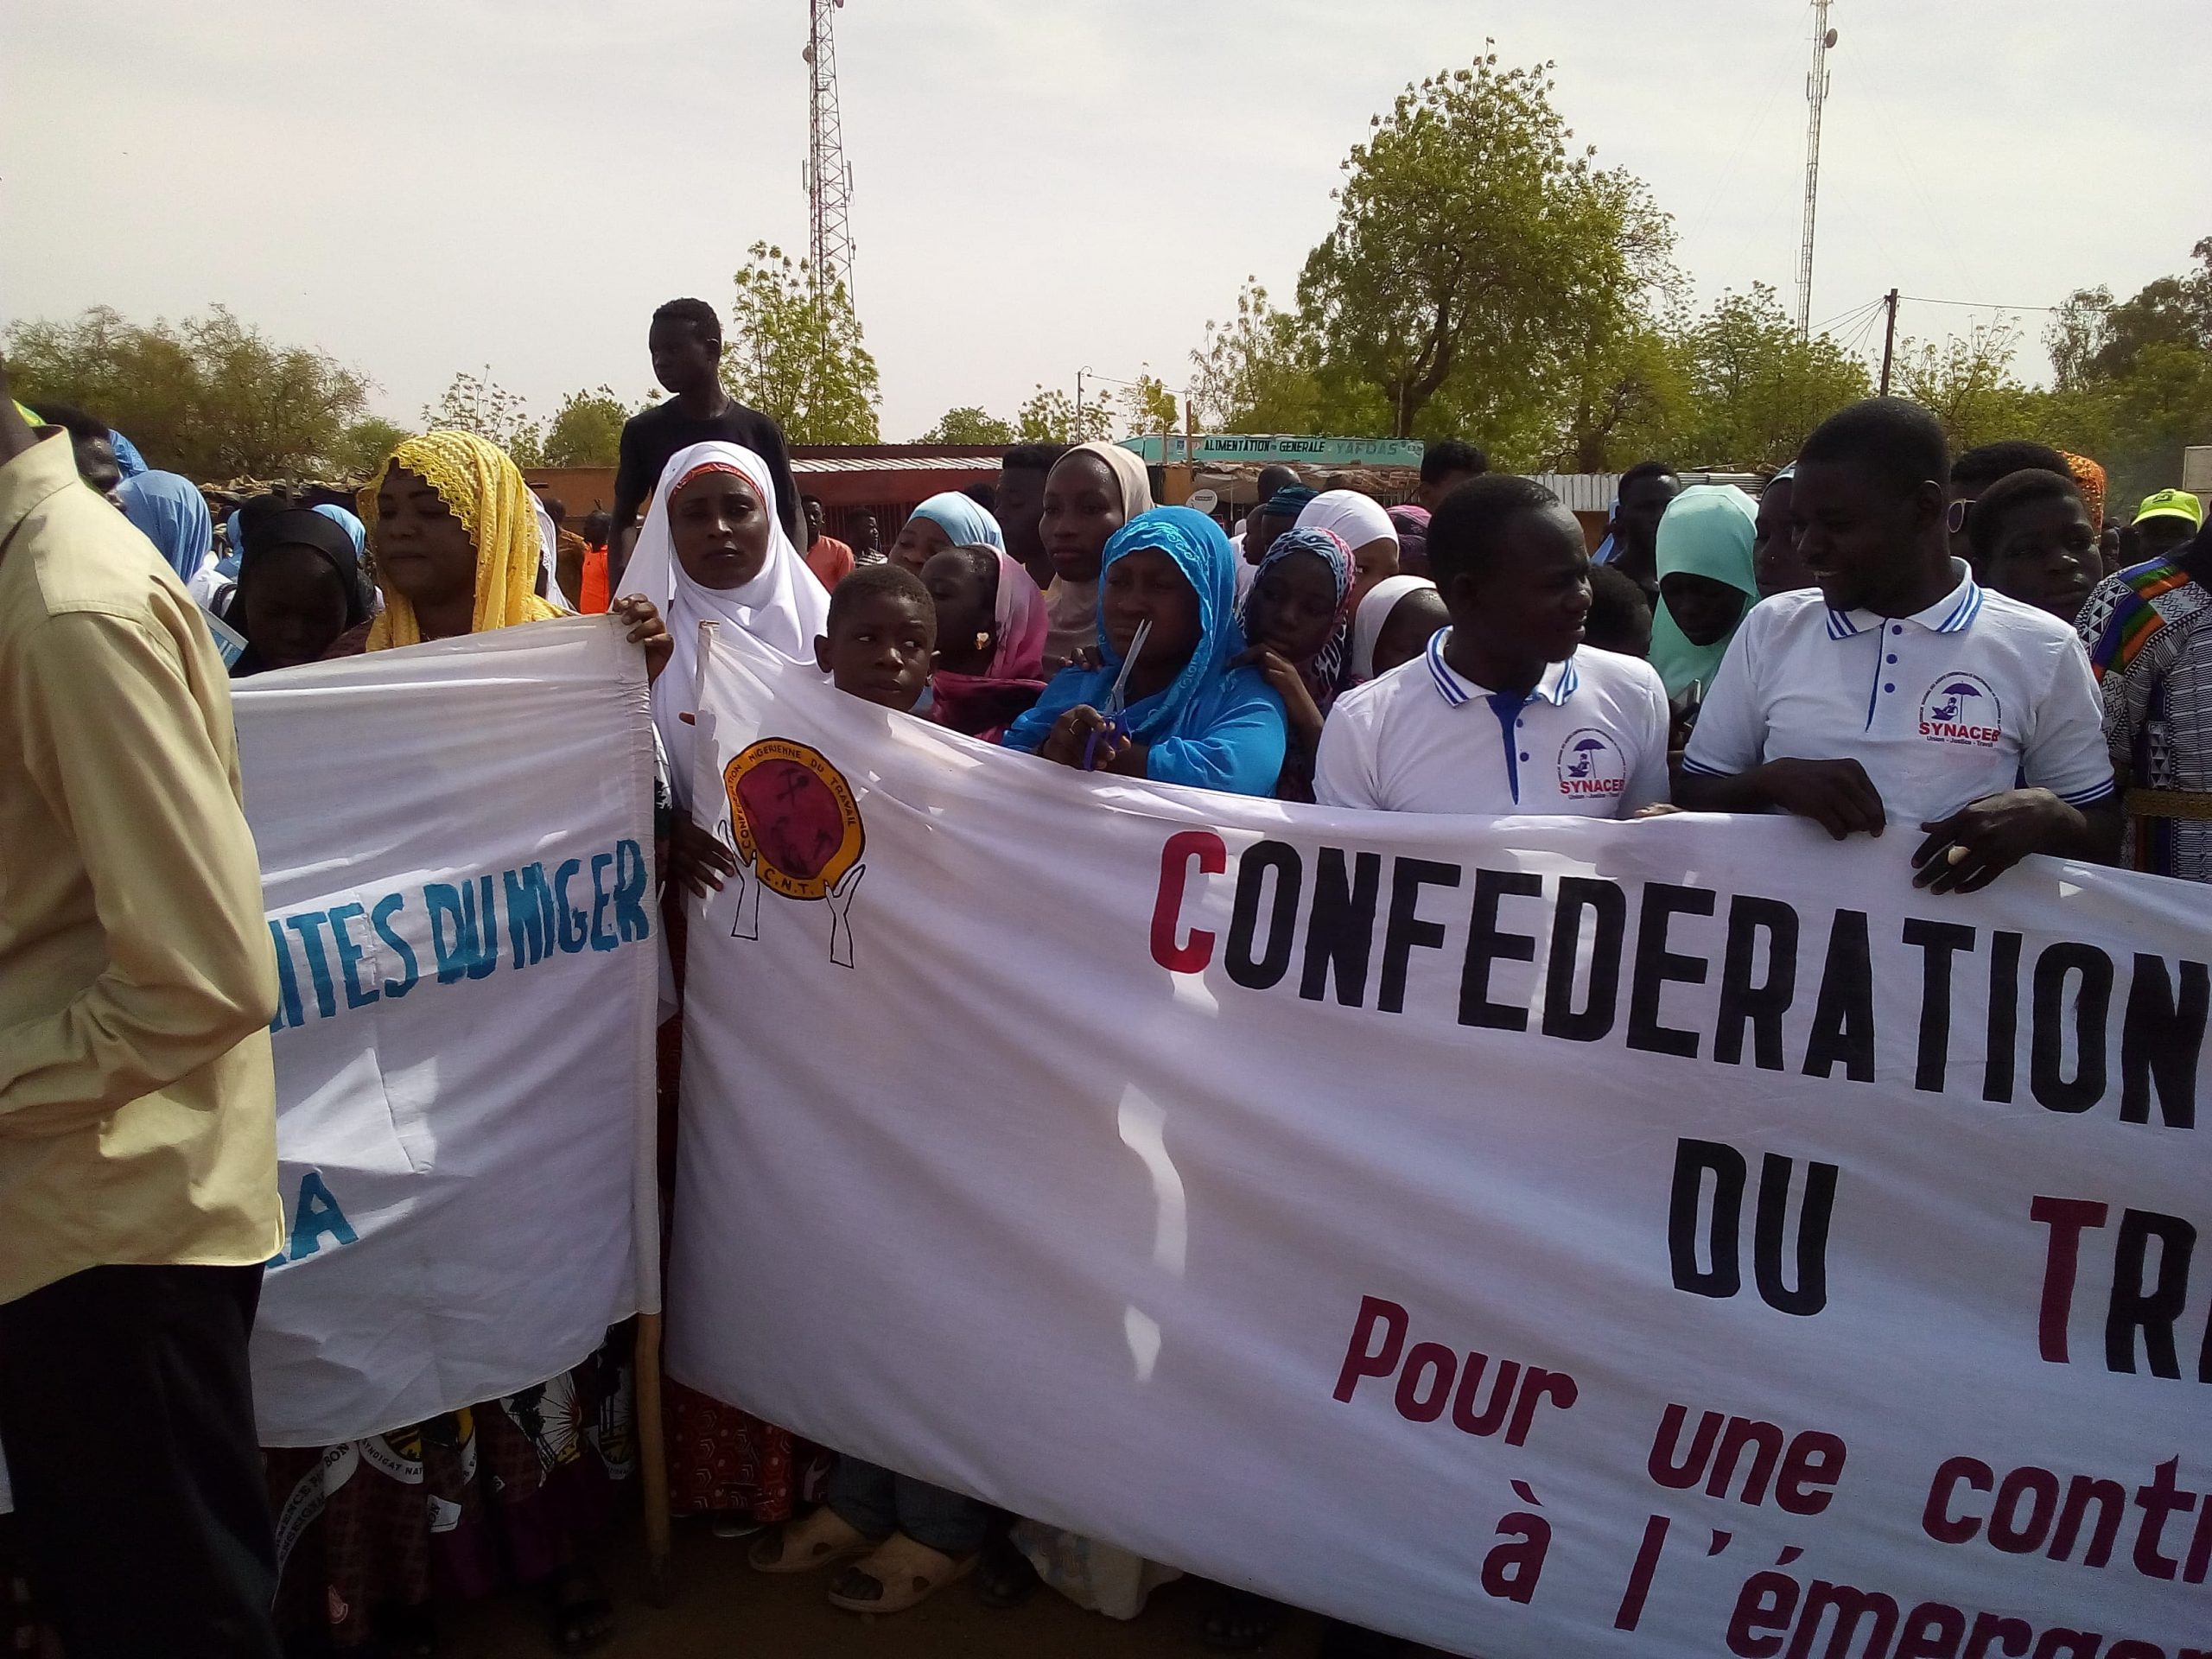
column 1091, row 492
column 713, row 549
column 1364, row 526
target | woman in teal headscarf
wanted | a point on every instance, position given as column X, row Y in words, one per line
column 1706, row 582
column 1187, row 717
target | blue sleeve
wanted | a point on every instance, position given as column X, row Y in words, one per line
column 1238, row 751
column 1066, row 690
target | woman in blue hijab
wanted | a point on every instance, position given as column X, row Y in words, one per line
column 171, row 514
column 356, row 532
column 948, row 520
column 1186, row 716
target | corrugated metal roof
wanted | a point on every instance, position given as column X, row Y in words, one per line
column 1595, row 492
column 802, row 465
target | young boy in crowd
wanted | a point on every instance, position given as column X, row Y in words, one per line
column 881, row 639
column 906, row 1539
column 1900, row 690
column 1501, row 713
column 1020, row 510
column 1633, row 546
column 1620, row 616
column 1444, row 467
column 1974, row 470
column 2033, row 540
column 685, row 343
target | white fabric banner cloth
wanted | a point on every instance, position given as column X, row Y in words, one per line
column 457, row 858
column 1531, row 1236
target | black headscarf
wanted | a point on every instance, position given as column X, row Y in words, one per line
column 265, row 531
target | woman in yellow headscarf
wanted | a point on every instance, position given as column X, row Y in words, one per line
column 452, row 536
column 516, row 1487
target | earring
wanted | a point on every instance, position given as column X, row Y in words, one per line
column 984, row 640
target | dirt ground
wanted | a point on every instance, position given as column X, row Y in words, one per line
column 721, row 1609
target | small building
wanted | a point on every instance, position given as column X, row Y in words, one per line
column 891, row 480
column 888, row 480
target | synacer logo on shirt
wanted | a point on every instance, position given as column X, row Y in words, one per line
column 1590, row 763
column 1961, row 709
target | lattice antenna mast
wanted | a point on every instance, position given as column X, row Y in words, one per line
column 1816, row 92
column 828, row 180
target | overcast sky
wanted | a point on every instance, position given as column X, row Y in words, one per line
column 424, row 186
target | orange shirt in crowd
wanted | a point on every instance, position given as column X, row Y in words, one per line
column 830, row 560
column 593, row 601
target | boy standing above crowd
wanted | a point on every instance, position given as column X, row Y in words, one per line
column 686, row 344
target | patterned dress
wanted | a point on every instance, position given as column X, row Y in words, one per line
column 502, row 1492
column 2149, row 633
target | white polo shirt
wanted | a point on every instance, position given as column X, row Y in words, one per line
column 1976, row 694
column 1589, row 741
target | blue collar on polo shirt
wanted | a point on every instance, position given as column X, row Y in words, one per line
column 1555, row 685
column 1953, row 614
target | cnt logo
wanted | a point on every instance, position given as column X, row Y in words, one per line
column 1961, row 709
column 797, row 831
column 1590, row 763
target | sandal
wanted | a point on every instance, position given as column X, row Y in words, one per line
column 1241, row 1621
column 583, row 1616
column 822, row 1540
column 901, row 1573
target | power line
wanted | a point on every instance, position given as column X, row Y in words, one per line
column 1843, row 317
column 1976, row 305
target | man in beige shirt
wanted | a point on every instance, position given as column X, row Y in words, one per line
column 137, row 1112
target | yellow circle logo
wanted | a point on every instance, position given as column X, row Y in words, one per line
column 793, row 816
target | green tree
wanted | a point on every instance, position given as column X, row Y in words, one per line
column 798, row 352
column 1050, row 416
column 1967, row 382
column 1466, row 233
column 1254, row 373
column 209, row 397
column 362, row 447
column 967, row 425
column 477, row 403
column 586, row 430
column 1628, row 395
column 2133, row 378
column 1149, row 406
column 1756, row 391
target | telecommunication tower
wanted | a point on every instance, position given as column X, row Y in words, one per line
column 1816, row 92
column 828, row 180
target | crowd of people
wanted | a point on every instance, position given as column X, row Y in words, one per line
column 1962, row 647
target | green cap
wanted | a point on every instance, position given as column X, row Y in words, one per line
column 2171, row 504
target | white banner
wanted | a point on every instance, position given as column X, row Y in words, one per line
column 1533, row 1238
column 457, row 858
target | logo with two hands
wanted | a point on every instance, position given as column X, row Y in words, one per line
column 797, row 831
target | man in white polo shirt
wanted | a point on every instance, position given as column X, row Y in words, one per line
column 1900, row 690
column 1507, row 711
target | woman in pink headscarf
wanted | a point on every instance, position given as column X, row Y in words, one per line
column 990, row 639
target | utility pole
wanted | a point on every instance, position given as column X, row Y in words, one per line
column 1816, row 92
column 1889, row 339
column 828, row 180
column 1079, row 373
